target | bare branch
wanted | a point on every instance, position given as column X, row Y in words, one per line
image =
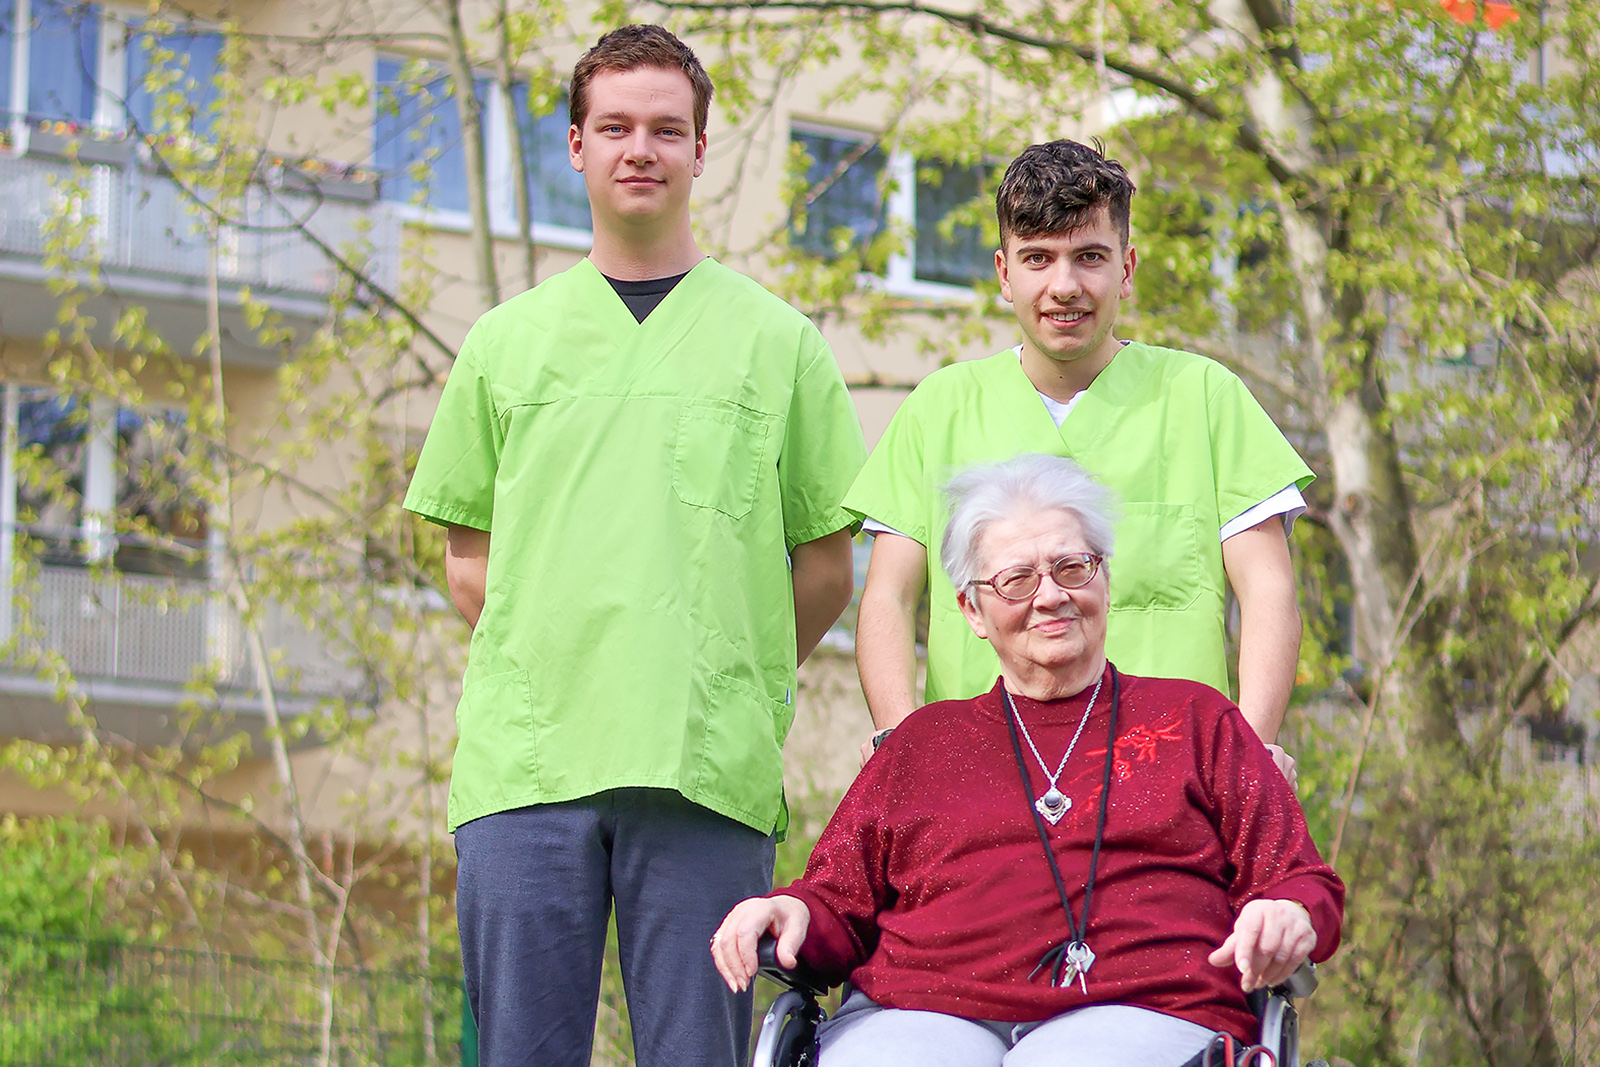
column 1246, row 135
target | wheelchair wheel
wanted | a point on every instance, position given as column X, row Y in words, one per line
column 788, row 1032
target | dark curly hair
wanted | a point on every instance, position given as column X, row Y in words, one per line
column 1057, row 188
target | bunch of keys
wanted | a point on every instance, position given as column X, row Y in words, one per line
column 1079, row 959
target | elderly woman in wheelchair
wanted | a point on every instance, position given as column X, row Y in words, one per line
column 1077, row 867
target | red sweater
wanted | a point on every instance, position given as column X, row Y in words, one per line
column 929, row 888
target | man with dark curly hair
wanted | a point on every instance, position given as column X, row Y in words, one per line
column 1208, row 487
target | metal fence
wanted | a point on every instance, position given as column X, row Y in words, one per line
column 145, row 223
column 87, row 1003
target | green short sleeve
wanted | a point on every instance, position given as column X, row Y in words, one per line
column 893, row 487
column 823, row 449
column 455, row 477
column 1251, row 457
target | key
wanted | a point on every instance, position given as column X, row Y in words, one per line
column 1080, row 958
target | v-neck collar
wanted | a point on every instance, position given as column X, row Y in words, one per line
column 1091, row 396
column 620, row 308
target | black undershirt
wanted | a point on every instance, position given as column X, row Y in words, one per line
column 644, row 297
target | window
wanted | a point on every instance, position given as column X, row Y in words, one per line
column 417, row 136
column 82, row 464
column 844, row 179
column 88, row 67
column 62, row 58
column 53, row 446
column 418, row 153
column 556, row 193
column 8, row 36
column 187, row 61
column 858, row 189
column 965, row 256
column 160, row 502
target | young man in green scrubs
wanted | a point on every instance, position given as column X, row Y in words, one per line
column 640, row 463
column 1208, row 486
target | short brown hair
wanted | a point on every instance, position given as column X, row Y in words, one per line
column 1058, row 187
column 637, row 47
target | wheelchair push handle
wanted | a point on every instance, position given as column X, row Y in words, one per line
column 801, row 978
column 1302, row 983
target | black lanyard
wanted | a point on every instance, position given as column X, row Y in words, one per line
column 1056, row 958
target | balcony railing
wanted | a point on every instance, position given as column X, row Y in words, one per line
column 146, row 225
column 162, row 631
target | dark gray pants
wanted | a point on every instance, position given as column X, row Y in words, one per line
column 533, row 895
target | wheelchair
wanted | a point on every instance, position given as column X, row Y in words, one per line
column 788, row 1036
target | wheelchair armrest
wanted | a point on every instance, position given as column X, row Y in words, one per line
column 800, row 978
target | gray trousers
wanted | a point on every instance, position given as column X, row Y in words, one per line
column 864, row 1034
column 534, row 889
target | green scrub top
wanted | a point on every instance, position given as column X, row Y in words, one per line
column 1178, row 438
column 643, row 483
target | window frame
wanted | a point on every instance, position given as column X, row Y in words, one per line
column 19, row 91
column 100, row 476
column 117, row 22
column 114, row 49
column 501, row 186
column 900, row 213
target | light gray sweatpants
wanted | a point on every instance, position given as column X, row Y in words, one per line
column 865, row 1034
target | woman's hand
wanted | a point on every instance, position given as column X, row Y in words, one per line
column 733, row 946
column 1270, row 940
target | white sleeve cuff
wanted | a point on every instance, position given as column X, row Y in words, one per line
column 874, row 527
column 1286, row 502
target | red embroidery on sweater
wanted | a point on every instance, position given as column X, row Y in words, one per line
column 1137, row 745
column 1141, row 742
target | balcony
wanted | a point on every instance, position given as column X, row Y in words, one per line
column 134, row 644
column 153, row 250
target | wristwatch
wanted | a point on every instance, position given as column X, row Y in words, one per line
column 877, row 738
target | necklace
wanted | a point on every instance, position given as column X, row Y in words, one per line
column 1072, row 958
column 1052, row 803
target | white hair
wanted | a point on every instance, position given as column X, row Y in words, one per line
column 993, row 492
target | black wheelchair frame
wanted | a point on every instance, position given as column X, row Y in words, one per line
column 788, row 1036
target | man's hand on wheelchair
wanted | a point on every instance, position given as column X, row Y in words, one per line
column 1270, row 940
column 733, row 946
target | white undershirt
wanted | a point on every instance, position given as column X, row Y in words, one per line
column 1286, row 502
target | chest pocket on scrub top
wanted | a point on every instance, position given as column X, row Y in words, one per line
column 718, row 456
column 1157, row 563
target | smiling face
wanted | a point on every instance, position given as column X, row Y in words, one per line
column 637, row 149
column 1066, row 290
column 1052, row 644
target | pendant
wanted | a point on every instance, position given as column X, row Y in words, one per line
column 1052, row 805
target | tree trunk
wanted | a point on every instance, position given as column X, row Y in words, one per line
column 471, row 112
column 519, row 164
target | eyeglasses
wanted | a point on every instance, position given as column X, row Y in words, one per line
column 1072, row 571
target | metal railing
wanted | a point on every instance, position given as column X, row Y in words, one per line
column 92, row 1003
column 146, row 224
column 166, row 631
